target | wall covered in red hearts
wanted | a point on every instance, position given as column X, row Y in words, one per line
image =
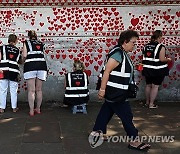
column 84, row 2
column 86, row 30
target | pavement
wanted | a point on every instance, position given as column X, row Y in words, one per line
column 57, row 131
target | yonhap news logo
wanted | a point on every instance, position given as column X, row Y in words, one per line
column 95, row 138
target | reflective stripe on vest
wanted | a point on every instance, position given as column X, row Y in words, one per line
column 30, row 46
column 116, row 85
column 10, row 61
column 76, row 95
column 122, row 74
column 155, row 67
column 156, row 50
column 151, row 59
column 5, row 68
column 34, row 52
column 14, row 70
column 35, row 59
column 4, row 52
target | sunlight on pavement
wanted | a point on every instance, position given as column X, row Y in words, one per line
column 35, row 129
column 6, row 120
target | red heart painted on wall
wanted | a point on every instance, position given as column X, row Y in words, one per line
column 100, row 62
column 132, row 57
column 166, row 17
column 61, row 73
column 170, row 64
column 87, row 58
column 134, row 21
column 178, row 14
column 47, row 51
column 86, row 64
column 91, row 61
column 96, row 67
column 41, row 24
column 70, row 56
column 63, row 20
column 57, row 56
column 116, row 13
column 50, row 28
column 140, row 57
column 64, row 56
column 52, row 56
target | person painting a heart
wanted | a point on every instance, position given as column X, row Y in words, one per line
column 155, row 67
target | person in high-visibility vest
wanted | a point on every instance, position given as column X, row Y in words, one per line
column 10, row 58
column 155, row 67
column 76, row 85
column 35, row 70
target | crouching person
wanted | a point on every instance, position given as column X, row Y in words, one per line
column 76, row 88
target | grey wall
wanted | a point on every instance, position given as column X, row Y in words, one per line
column 87, row 31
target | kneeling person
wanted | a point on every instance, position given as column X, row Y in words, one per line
column 76, row 87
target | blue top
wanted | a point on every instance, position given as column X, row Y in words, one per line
column 117, row 56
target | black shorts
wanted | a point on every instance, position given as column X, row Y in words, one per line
column 154, row 80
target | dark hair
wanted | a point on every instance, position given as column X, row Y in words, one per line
column 125, row 36
column 32, row 34
column 12, row 38
column 156, row 35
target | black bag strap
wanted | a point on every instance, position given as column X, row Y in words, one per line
column 113, row 51
column 131, row 63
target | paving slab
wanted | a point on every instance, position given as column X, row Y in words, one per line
column 9, row 142
column 41, row 148
column 81, row 146
column 9, row 149
column 12, row 124
column 10, row 138
column 42, row 133
column 76, row 126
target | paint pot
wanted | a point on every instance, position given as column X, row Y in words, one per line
column 170, row 64
column 140, row 67
column 1, row 75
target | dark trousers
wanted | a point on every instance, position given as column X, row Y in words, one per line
column 122, row 110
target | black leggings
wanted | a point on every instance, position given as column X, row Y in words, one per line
column 122, row 110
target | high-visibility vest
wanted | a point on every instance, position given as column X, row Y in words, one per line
column 77, row 87
column 35, row 56
column 10, row 56
column 119, row 78
column 152, row 66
